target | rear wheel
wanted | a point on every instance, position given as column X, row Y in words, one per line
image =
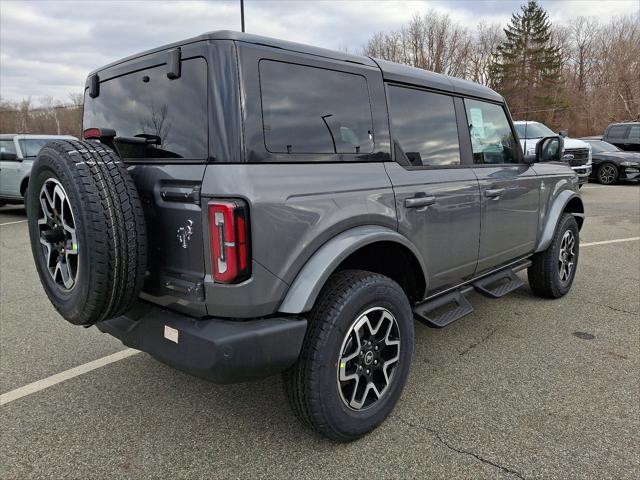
column 87, row 231
column 355, row 358
column 552, row 271
column 608, row 174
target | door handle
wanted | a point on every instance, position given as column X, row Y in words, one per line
column 417, row 202
column 493, row 192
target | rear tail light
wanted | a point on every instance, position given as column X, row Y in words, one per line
column 230, row 252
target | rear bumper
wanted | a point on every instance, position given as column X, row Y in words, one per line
column 220, row 350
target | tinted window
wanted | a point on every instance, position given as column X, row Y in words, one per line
column 618, row 131
column 634, row 132
column 313, row 110
column 153, row 116
column 492, row 139
column 424, row 126
column 30, row 147
column 8, row 150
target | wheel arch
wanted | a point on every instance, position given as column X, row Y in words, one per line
column 373, row 248
column 567, row 201
column 23, row 186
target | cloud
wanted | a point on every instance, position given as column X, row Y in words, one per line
column 47, row 48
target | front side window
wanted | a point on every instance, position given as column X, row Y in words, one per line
column 634, row 132
column 152, row 115
column 31, row 146
column 492, row 139
column 424, row 126
column 314, row 110
column 8, row 150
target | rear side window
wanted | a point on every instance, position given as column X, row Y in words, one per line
column 424, row 126
column 492, row 139
column 314, row 110
column 153, row 116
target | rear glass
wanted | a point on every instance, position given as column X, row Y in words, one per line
column 153, row 116
column 313, row 110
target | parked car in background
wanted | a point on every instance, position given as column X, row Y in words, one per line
column 17, row 153
column 625, row 136
column 611, row 164
column 577, row 153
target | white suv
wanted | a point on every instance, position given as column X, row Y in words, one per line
column 17, row 153
column 576, row 152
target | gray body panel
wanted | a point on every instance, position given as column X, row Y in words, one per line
column 510, row 221
column 446, row 233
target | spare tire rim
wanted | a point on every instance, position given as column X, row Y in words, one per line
column 368, row 358
column 567, row 256
column 57, row 227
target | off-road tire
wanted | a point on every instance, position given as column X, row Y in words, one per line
column 543, row 274
column 110, row 230
column 311, row 384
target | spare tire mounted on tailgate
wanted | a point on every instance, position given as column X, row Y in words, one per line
column 87, row 231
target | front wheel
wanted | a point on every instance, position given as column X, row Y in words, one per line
column 553, row 270
column 355, row 358
column 608, row 174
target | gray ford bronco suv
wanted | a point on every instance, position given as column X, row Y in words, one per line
column 242, row 206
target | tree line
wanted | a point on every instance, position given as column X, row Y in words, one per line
column 580, row 75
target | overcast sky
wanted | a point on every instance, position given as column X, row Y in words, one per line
column 47, row 47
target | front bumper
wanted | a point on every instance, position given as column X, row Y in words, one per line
column 629, row 173
column 583, row 171
column 220, row 350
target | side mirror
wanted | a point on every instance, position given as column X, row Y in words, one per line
column 550, row 149
column 563, row 133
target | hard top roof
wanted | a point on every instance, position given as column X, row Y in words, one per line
column 391, row 71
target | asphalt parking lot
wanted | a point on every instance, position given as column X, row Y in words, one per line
column 522, row 388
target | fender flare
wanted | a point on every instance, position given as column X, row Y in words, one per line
column 559, row 204
column 305, row 288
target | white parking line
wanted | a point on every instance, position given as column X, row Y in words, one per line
column 66, row 375
column 605, row 242
column 12, row 223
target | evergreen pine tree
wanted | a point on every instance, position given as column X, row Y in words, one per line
column 527, row 67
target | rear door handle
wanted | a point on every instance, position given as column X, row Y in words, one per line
column 417, row 202
column 493, row 192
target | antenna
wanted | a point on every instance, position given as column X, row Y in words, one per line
column 242, row 15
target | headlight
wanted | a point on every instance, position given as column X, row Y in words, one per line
column 630, row 164
column 590, row 157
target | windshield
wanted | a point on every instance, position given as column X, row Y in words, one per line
column 533, row 130
column 599, row 146
column 31, row 146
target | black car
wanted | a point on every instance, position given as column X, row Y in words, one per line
column 611, row 164
column 624, row 135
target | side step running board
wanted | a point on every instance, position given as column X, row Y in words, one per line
column 449, row 307
column 500, row 283
column 454, row 305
